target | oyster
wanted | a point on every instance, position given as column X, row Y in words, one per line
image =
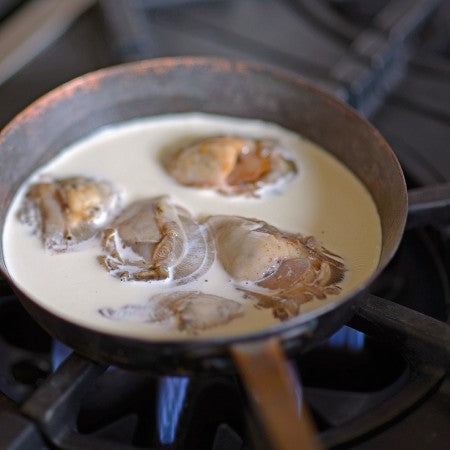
column 68, row 211
column 190, row 311
column 231, row 165
column 155, row 239
column 281, row 270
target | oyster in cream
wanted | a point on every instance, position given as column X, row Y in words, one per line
column 231, row 165
column 156, row 239
column 189, row 311
column 281, row 270
column 66, row 212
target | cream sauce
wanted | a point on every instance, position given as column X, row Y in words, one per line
column 324, row 199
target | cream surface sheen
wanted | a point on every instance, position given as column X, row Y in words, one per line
column 324, row 199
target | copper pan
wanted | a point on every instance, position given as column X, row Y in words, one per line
column 215, row 86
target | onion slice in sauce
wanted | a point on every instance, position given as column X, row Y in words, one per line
column 281, row 270
column 66, row 212
column 189, row 311
column 232, row 165
column 156, row 239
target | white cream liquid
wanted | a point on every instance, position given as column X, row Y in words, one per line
column 324, row 199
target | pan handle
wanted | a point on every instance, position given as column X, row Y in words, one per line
column 429, row 205
column 275, row 395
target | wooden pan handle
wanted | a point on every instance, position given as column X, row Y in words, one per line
column 275, row 395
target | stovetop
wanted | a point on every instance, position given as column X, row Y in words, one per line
column 390, row 59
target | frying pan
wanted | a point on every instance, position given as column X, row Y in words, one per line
column 171, row 85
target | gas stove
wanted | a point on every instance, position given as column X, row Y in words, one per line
column 366, row 389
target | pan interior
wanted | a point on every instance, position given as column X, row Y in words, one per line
column 323, row 199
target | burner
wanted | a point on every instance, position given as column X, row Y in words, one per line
column 24, row 347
